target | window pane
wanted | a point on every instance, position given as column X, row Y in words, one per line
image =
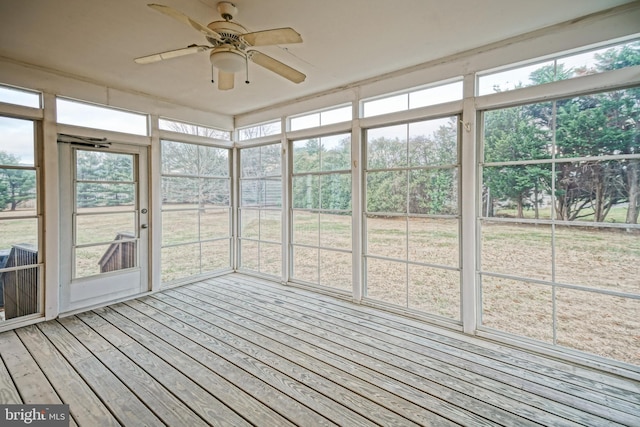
column 597, row 191
column 335, row 231
column 306, row 155
column 179, row 227
column 433, row 142
column 15, row 96
column 250, row 223
column 18, row 231
column 387, row 147
column 336, row 152
column 433, row 192
column 305, row 264
column 104, row 228
column 522, row 250
column 337, row 115
column 271, row 226
column 434, row 241
column 273, row 193
column 215, row 255
column 598, row 125
column 518, row 133
column 336, row 191
column 305, row 122
column 193, row 129
column 335, row 270
column 305, row 228
column 179, row 158
column 17, row 192
column 261, row 192
column 434, row 291
column 605, row 258
column 259, row 131
column 179, row 193
column 214, row 223
column 435, row 95
column 249, row 255
column 251, row 192
column 385, row 105
column 16, row 142
column 213, row 161
column 214, row 192
column 611, row 329
column 387, row 281
column 180, row 261
column 510, row 79
column 94, row 116
column 387, row 236
column 387, row 191
column 323, row 118
column 518, row 307
column 101, row 166
column 104, row 258
column 271, row 259
column 92, row 195
column 270, row 160
column 306, row 192
column 250, row 162
column 520, row 191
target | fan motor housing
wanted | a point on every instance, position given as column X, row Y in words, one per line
column 229, row 31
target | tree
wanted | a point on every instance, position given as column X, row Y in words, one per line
column 612, row 59
column 201, row 174
column 585, row 130
column 322, row 191
column 116, row 170
column 598, row 125
column 514, row 134
column 16, row 185
column 434, row 191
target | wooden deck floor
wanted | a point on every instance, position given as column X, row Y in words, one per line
column 237, row 351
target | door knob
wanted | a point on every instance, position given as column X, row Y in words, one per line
column 144, row 226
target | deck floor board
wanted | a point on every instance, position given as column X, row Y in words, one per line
column 459, row 366
column 239, row 351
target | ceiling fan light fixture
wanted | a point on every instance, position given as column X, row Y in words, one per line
column 229, row 61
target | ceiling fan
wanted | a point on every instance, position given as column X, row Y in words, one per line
column 229, row 43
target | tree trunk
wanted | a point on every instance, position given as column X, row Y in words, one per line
column 633, row 188
column 535, row 202
column 520, row 209
column 598, row 193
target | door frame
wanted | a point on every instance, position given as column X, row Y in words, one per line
column 82, row 293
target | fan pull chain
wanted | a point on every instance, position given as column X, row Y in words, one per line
column 246, row 63
column 212, row 81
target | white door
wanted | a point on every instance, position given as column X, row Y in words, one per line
column 104, row 224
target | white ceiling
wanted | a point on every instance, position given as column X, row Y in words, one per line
column 345, row 41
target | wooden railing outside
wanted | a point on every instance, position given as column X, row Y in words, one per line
column 20, row 288
column 119, row 255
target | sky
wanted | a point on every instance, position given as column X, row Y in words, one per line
column 17, row 138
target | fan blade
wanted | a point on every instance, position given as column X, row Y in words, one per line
column 271, row 37
column 171, row 54
column 225, row 80
column 185, row 20
column 276, row 66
